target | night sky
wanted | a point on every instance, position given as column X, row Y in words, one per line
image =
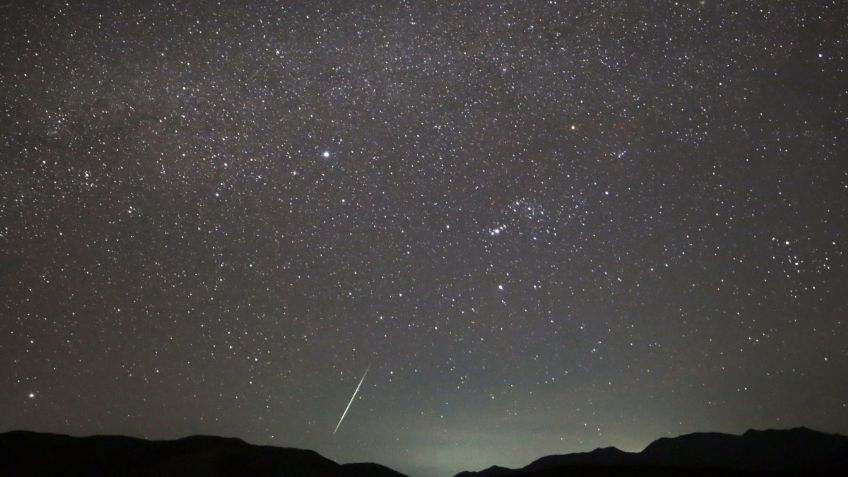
column 543, row 227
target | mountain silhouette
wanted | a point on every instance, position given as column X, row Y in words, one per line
column 798, row 451
column 755, row 453
column 37, row 454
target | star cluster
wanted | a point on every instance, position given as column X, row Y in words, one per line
column 546, row 226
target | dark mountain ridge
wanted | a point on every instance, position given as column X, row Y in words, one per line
column 24, row 453
column 799, row 451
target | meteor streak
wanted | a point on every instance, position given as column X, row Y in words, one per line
column 351, row 399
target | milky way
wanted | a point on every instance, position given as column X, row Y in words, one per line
column 549, row 226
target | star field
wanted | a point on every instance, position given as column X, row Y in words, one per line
column 545, row 226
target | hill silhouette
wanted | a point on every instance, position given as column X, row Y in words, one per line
column 29, row 454
column 755, row 453
column 798, row 451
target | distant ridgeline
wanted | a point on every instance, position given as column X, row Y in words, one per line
column 786, row 452
column 44, row 455
column 795, row 452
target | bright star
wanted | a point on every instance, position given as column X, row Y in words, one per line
column 325, row 154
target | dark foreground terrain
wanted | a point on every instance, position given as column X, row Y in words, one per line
column 754, row 453
column 35, row 454
column 761, row 453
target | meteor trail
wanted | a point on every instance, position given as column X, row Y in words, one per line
column 351, row 399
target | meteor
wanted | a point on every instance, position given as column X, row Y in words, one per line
column 351, row 399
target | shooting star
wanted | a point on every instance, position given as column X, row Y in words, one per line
column 351, row 399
